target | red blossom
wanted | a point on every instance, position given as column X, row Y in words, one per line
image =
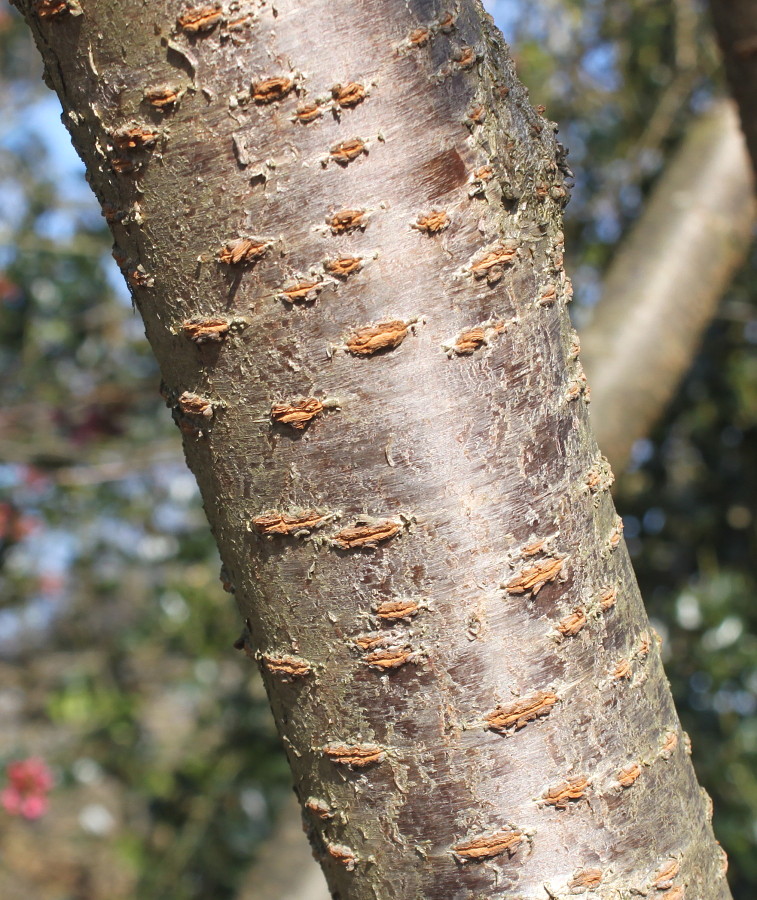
column 29, row 782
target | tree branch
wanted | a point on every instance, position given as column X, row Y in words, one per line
column 664, row 285
column 736, row 27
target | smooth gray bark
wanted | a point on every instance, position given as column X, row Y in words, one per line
column 341, row 223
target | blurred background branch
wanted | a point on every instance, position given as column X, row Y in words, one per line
column 736, row 26
column 666, row 281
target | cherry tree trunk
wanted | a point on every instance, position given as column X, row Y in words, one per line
column 341, row 224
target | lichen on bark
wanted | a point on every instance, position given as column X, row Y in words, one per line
column 445, row 481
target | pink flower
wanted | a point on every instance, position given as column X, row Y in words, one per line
column 29, row 782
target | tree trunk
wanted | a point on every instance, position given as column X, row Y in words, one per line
column 341, row 224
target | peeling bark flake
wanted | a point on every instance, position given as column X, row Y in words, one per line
column 663, row 878
column 388, row 658
column 194, row 405
column 643, row 647
column 355, row 756
column 138, row 278
column 723, row 859
column 628, row 776
column 532, row 579
column 377, row 338
column 319, row 808
column 269, row 90
column 347, row 220
column 301, row 292
column 465, row 58
column 346, row 152
column 561, row 794
column 616, row 534
column 478, row 181
column 349, row 95
column 200, row 20
column 517, row 715
column 374, row 639
column 487, row 846
column 164, row 99
column 134, row 137
column 585, row 880
column 578, row 387
column 419, row 37
column 505, row 253
column 572, row 623
column 469, row 341
column 473, row 339
column 243, row 251
column 206, row 330
column 622, row 670
column 532, row 549
column 288, row 666
column 432, row 223
column 600, row 476
column 669, row 743
column 343, row 267
column 242, row 22
column 122, row 165
column 298, row 414
column 395, row 610
column 308, row 112
column 343, row 855
column 275, row 523
column 368, row 536
column 608, row 598
column 54, row 9
column 477, row 114
column 675, row 893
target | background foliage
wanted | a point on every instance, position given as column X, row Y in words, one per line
column 116, row 664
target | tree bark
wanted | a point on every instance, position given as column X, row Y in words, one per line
column 341, row 224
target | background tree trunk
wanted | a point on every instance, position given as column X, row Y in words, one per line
column 667, row 280
column 341, row 224
column 736, row 27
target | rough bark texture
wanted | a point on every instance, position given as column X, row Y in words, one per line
column 276, row 262
column 736, row 26
column 663, row 287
